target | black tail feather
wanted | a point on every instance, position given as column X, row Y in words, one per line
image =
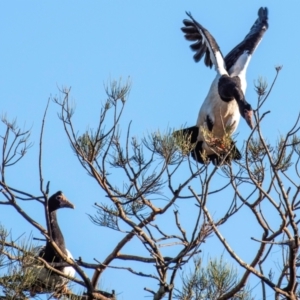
column 197, row 152
column 234, row 154
column 216, row 159
column 190, row 132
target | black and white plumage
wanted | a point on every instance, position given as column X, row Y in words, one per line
column 221, row 110
column 45, row 281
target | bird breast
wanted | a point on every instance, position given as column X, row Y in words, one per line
column 225, row 116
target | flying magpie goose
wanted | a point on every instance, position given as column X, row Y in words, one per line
column 221, row 110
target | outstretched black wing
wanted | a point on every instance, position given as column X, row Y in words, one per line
column 205, row 44
column 251, row 41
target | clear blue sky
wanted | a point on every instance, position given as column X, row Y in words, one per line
column 46, row 45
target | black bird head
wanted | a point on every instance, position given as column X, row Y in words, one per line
column 246, row 112
column 59, row 200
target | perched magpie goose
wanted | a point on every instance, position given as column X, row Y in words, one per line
column 44, row 280
column 221, row 110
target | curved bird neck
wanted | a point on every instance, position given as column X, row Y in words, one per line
column 229, row 88
column 57, row 237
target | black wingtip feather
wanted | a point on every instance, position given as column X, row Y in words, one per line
column 197, row 45
column 199, row 54
column 187, row 23
column 188, row 13
column 263, row 13
column 188, row 29
column 207, row 60
column 192, row 36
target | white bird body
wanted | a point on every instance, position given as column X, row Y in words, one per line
column 49, row 281
column 224, row 115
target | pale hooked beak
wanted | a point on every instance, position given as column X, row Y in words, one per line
column 64, row 202
column 248, row 117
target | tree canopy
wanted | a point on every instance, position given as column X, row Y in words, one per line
column 164, row 204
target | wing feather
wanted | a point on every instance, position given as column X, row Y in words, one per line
column 205, row 44
column 249, row 44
